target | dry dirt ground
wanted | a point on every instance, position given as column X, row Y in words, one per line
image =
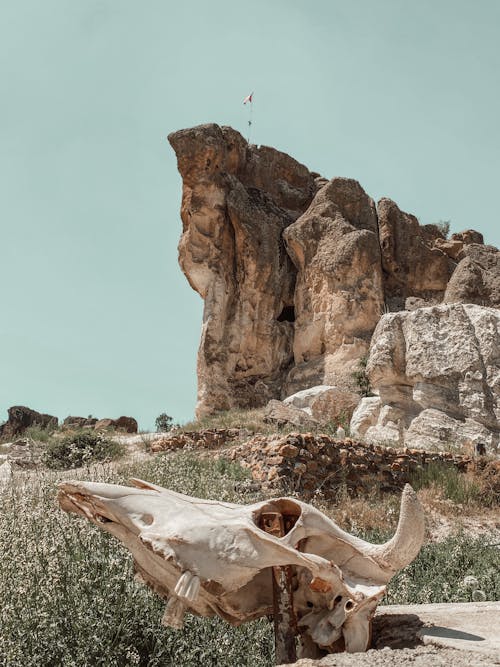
column 443, row 635
column 422, row 656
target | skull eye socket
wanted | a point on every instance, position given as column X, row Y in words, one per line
column 349, row 605
column 338, row 599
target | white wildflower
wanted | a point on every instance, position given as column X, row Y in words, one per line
column 470, row 582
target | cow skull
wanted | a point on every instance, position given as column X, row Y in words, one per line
column 214, row 558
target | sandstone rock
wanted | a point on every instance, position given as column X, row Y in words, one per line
column 444, row 358
column 433, row 428
column 365, row 415
column 102, row 424
column 74, row 422
column 304, row 399
column 295, row 270
column 468, row 236
column 477, row 277
column 280, row 414
column 237, row 200
column 325, row 403
column 20, row 418
column 338, row 293
column 126, row 424
column 412, row 265
column 454, row 248
column 334, row 405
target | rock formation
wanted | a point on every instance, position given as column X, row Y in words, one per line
column 338, row 293
column 125, row 424
column 20, row 418
column 236, row 201
column 437, row 374
column 296, row 271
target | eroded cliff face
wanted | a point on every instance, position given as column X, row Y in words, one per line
column 236, row 202
column 296, row 271
column 339, row 294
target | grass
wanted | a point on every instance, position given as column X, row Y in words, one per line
column 462, row 489
column 437, row 574
column 38, row 434
column 68, row 597
column 252, row 421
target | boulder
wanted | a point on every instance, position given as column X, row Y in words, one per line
column 476, row 278
column 325, row 403
column 103, row 424
column 280, row 414
column 431, row 363
column 468, row 236
column 74, row 422
column 20, row 418
column 304, row 399
column 127, row 424
column 436, row 429
column 364, row 416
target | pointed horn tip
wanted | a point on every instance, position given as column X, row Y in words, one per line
column 138, row 483
column 409, row 493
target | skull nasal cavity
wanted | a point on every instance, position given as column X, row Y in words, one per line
column 287, row 314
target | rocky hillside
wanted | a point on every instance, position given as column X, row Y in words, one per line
column 298, row 272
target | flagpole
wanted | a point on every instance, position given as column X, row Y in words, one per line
column 250, row 121
column 249, row 100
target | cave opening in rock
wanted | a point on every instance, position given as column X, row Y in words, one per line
column 287, row 314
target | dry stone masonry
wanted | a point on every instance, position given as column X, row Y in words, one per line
column 307, row 464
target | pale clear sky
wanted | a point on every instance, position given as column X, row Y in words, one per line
column 95, row 315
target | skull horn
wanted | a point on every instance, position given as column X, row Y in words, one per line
column 404, row 546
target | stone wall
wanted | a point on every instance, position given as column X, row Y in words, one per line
column 305, row 463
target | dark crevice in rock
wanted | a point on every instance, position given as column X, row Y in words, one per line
column 287, row 314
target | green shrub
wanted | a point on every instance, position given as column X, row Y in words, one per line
column 163, row 423
column 444, row 227
column 80, row 449
column 361, row 377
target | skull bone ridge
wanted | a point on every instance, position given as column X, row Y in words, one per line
column 214, row 558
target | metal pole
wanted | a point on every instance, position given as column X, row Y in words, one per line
column 285, row 623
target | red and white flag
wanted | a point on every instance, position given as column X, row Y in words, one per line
column 248, row 98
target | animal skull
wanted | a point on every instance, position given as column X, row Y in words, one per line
column 214, row 558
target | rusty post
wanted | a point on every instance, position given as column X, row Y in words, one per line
column 285, row 623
